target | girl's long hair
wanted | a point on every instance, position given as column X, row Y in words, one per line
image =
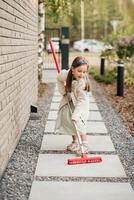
column 78, row 61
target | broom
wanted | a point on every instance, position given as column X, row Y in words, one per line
column 84, row 158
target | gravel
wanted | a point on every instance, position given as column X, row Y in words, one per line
column 19, row 174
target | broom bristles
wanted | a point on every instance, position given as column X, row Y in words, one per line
column 84, row 160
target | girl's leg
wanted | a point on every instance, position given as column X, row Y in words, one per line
column 83, row 137
column 73, row 146
column 74, row 137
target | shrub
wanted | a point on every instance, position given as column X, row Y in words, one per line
column 107, row 78
column 129, row 75
column 109, row 54
column 125, row 47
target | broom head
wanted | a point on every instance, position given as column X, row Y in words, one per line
column 84, row 160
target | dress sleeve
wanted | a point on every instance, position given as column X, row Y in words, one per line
column 81, row 101
column 61, row 79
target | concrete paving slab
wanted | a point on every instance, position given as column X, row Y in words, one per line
column 93, row 115
column 57, row 97
column 57, row 90
column 49, row 75
column 56, row 165
column 52, row 115
column 80, row 190
column 96, row 127
column 56, row 93
column 92, row 127
column 60, row 142
column 55, row 106
column 93, row 106
column 92, row 99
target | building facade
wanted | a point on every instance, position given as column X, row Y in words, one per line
column 18, row 71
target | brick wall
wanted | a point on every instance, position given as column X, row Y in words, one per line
column 18, row 71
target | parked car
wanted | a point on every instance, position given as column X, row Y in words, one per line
column 56, row 43
column 89, row 45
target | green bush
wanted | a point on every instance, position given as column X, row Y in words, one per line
column 125, row 47
column 111, row 75
column 109, row 54
column 129, row 75
column 107, row 78
column 129, row 81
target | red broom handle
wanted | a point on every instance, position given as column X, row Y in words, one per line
column 54, row 56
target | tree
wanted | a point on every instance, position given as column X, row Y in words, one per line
column 98, row 16
column 57, row 9
column 127, row 25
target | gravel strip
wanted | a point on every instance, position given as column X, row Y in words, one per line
column 69, row 152
column 52, row 133
column 81, row 179
column 19, row 174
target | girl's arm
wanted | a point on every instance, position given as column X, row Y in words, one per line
column 61, row 79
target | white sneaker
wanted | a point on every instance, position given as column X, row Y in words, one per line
column 85, row 147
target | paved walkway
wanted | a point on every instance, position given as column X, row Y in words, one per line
column 55, row 180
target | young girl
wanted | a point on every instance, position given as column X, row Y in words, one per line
column 74, row 86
